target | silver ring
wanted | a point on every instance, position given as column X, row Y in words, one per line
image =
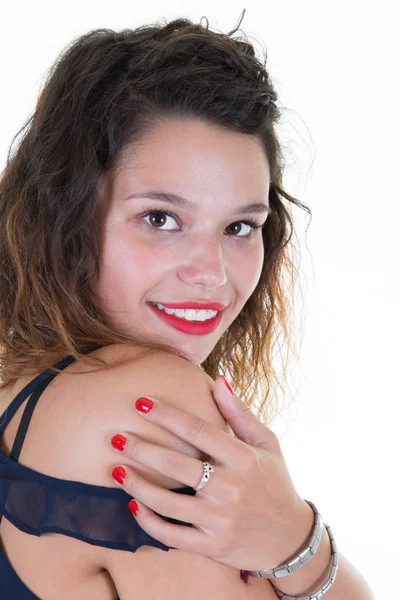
column 207, row 470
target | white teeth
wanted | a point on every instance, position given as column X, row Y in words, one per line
column 189, row 315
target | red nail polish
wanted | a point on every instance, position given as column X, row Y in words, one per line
column 133, row 507
column 244, row 575
column 228, row 385
column 118, row 442
column 144, row 405
column 119, row 474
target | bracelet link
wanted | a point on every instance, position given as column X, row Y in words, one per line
column 302, row 559
column 305, row 555
column 327, row 584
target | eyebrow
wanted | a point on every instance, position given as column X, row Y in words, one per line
column 256, row 207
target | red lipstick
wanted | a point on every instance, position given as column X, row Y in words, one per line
column 190, row 327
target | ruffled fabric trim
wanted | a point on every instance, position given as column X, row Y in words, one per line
column 36, row 504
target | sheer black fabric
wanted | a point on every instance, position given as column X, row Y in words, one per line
column 37, row 503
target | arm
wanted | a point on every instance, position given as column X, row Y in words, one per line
column 89, row 408
column 108, row 399
column 315, row 573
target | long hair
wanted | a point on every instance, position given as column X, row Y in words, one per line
column 108, row 89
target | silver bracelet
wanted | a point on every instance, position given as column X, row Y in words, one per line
column 325, row 586
column 303, row 557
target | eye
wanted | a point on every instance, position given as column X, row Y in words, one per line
column 249, row 223
column 157, row 212
column 152, row 213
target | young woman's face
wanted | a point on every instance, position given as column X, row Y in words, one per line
column 202, row 252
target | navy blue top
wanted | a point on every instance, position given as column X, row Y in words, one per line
column 36, row 503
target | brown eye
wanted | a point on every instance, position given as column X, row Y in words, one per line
column 155, row 218
column 158, row 218
column 239, row 224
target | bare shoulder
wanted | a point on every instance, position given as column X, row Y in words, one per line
column 69, row 438
column 79, row 412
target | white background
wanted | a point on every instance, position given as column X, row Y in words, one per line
column 335, row 69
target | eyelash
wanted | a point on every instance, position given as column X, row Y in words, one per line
column 254, row 226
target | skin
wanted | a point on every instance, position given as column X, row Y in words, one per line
column 203, row 254
column 218, row 171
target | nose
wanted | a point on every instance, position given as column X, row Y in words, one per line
column 204, row 264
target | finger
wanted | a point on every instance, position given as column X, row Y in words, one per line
column 165, row 502
column 176, row 465
column 122, row 442
column 180, row 537
column 218, row 444
column 244, row 423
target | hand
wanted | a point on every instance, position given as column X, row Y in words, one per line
column 248, row 515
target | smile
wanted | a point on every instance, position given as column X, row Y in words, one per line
column 188, row 326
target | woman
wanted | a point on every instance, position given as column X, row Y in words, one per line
column 150, row 175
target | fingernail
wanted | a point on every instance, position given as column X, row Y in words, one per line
column 118, row 442
column 119, row 474
column 244, row 575
column 133, row 507
column 144, row 405
column 228, row 384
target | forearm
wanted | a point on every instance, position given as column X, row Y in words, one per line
column 348, row 585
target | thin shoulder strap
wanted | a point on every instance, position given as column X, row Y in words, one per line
column 24, row 394
column 26, row 417
column 30, row 405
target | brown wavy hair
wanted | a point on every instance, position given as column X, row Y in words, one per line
column 108, row 89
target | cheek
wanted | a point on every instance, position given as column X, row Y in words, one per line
column 248, row 268
column 127, row 266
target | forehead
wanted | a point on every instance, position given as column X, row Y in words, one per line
column 201, row 154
